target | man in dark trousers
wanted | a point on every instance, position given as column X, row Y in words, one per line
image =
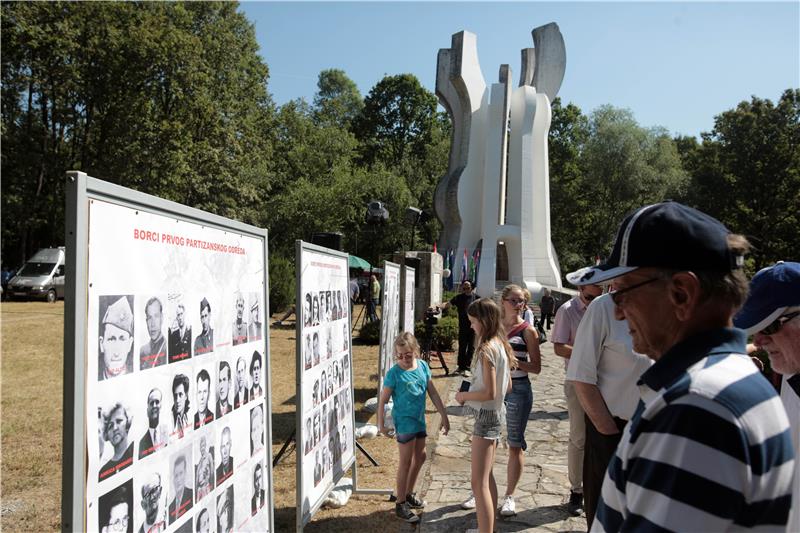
column 466, row 337
column 548, row 306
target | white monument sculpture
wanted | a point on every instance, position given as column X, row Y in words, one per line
column 496, row 189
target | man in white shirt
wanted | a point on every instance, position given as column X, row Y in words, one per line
column 604, row 370
column 568, row 317
column 772, row 314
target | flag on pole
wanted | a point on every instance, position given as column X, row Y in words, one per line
column 451, row 261
column 477, row 259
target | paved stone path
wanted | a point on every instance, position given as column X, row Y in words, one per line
column 541, row 493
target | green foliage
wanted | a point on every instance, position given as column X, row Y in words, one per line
column 746, row 173
column 397, row 120
column 337, row 101
column 445, row 333
column 370, row 333
column 603, row 167
column 282, row 283
column 167, row 98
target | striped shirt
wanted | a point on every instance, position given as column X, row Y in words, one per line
column 516, row 338
column 708, row 448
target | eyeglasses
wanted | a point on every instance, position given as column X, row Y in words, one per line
column 617, row 295
column 120, row 524
column 514, row 301
column 407, row 355
column 778, row 323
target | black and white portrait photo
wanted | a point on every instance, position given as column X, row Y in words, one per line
column 242, row 394
column 156, row 436
column 115, row 509
column 255, row 325
column 116, row 423
column 153, row 503
column 181, row 486
column 204, row 466
column 203, row 392
column 180, row 406
column 256, row 390
column 204, row 342
column 223, row 389
column 225, row 511
column 225, row 467
column 240, row 322
column 115, row 344
column 257, row 501
column 256, row 429
column 180, row 334
column 153, row 352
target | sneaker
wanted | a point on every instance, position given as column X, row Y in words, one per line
column 508, row 508
column 414, row 502
column 575, row 504
column 403, row 512
column 469, row 503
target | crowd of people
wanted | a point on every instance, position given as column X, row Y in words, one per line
column 673, row 426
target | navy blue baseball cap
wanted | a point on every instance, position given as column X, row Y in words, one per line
column 667, row 235
column 772, row 291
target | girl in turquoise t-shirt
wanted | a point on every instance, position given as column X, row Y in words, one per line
column 406, row 383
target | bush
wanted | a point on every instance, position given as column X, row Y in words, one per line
column 445, row 333
column 370, row 332
column 281, row 283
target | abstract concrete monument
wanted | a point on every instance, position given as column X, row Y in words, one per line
column 495, row 194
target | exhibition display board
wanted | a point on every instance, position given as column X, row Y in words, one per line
column 325, row 420
column 390, row 318
column 167, row 409
column 409, row 294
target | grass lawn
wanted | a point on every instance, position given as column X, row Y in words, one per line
column 32, row 386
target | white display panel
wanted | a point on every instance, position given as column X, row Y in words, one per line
column 324, row 434
column 390, row 318
column 176, row 415
column 408, row 299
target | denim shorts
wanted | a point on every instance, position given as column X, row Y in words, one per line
column 488, row 424
column 519, row 403
column 403, row 438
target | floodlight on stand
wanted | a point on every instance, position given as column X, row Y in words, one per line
column 413, row 215
column 376, row 213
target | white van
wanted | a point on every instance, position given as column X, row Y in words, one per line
column 41, row 277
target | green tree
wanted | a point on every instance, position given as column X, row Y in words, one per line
column 167, row 98
column 338, row 101
column 746, row 173
column 569, row 131
column 397, row 121
column 624, row 167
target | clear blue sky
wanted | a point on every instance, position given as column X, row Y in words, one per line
column 674, row 65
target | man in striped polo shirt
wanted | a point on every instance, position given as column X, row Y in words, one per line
column 708, row 447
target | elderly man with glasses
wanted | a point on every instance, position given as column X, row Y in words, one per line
column 708, row 447
column 772, row 315
column 568, row 317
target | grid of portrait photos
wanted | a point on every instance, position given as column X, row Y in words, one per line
column 177, row 380
column 390, row 318
column 325, row 437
